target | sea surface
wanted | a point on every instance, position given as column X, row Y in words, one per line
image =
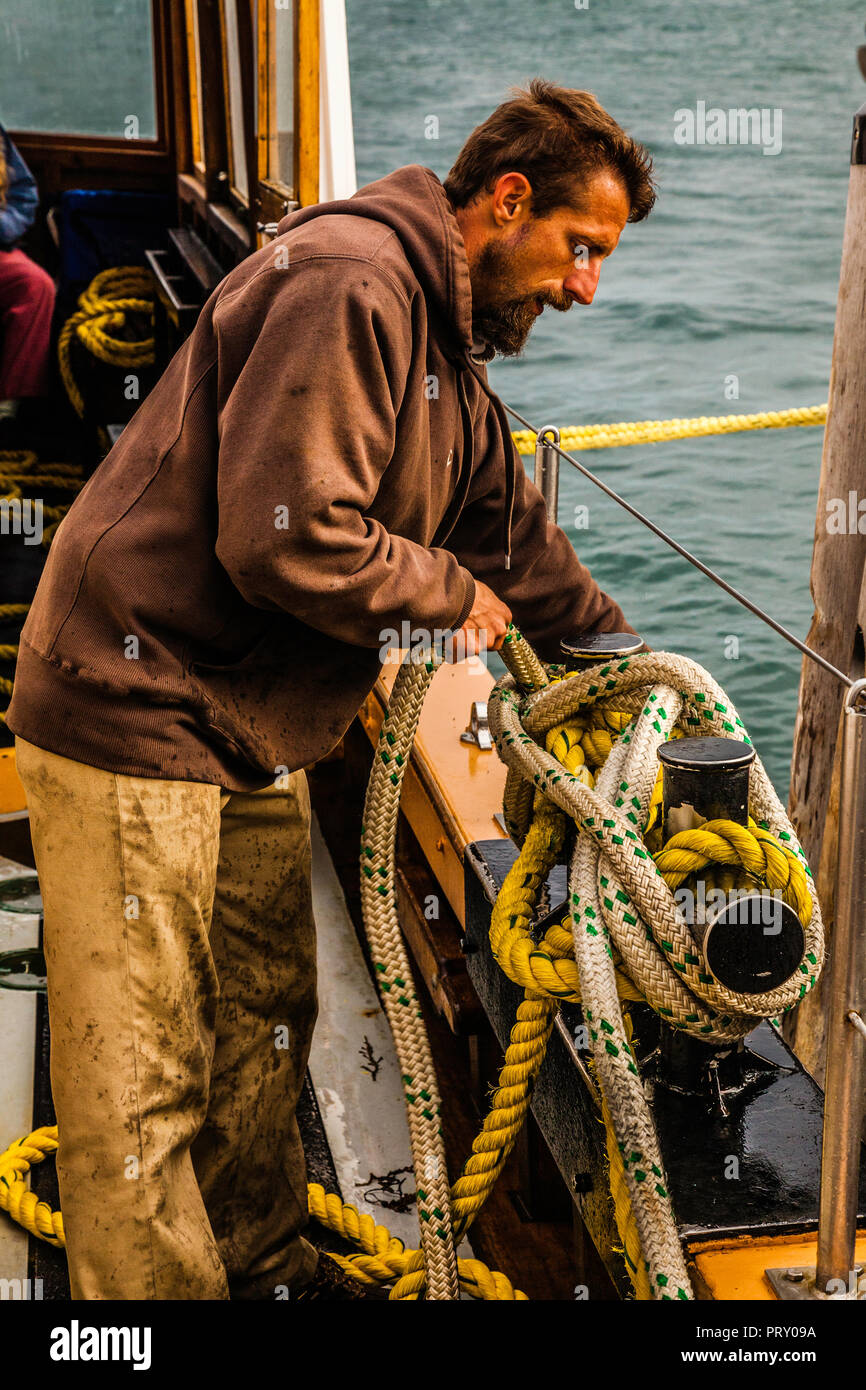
column 735, row 274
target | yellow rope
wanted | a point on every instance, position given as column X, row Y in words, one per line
column 753, row 849
column 9, row 650
column 623, row 1211
column 101, row 319
column 20, row 474
column 614, row 436
column 384, row 1259
column 15, row 1196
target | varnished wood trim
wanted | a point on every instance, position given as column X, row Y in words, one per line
column 307, row 101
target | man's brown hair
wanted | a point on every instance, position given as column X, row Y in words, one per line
column 558, row 138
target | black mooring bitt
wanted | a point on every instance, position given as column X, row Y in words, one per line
column 585, row 649
column 751, row 940
column 750, row 1166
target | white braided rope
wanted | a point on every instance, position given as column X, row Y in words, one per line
column 394, row 973
column 617, row 895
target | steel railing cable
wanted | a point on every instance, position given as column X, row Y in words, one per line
column 657, row 530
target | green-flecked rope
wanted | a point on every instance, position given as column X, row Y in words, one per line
column 619, row 900
column 394, row 974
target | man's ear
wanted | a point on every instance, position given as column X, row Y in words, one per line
column 511, row 200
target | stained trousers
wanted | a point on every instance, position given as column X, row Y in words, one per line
column 181, row 961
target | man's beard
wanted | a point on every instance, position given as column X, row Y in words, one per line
column 503, row 321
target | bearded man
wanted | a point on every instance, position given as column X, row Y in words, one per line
column 322, row 460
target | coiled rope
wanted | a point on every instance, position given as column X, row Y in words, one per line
column 613, row 436
column 103, row 326
column 628, row 938
column 624, row 918
column 21, row 473
column 16, row 1198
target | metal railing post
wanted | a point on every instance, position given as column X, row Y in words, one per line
column 547, row 468
column 846, row 1046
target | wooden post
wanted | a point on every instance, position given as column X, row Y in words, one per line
column 838, row 584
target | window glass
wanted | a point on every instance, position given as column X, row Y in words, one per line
column 281, row 152
column 81, row 67
column 240, row 177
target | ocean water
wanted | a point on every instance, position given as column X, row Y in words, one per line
column 735, row 273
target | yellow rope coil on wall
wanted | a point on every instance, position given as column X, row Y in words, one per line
column 101, row 320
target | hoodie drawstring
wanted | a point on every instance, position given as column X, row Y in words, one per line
column 508, row 446
column 462, row 365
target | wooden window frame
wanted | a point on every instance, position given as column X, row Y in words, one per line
column 66, row 160
column 204, row 186
column 208, row 157
column 246, row 60
column 275, row 198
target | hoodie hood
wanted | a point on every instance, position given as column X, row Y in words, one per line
column 413, row 203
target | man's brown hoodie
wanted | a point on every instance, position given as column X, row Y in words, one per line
column 321, row 463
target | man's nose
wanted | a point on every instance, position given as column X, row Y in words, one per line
column 582, row 283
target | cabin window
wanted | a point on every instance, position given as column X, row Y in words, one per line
column 206, row 128
column 95, row 66
column 237, row 37
column 193, row 48
column 277, row 94
column 287, row 122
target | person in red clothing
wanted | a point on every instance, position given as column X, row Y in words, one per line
column 26, row 291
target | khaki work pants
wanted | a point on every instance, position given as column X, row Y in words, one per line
column 181, row 957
